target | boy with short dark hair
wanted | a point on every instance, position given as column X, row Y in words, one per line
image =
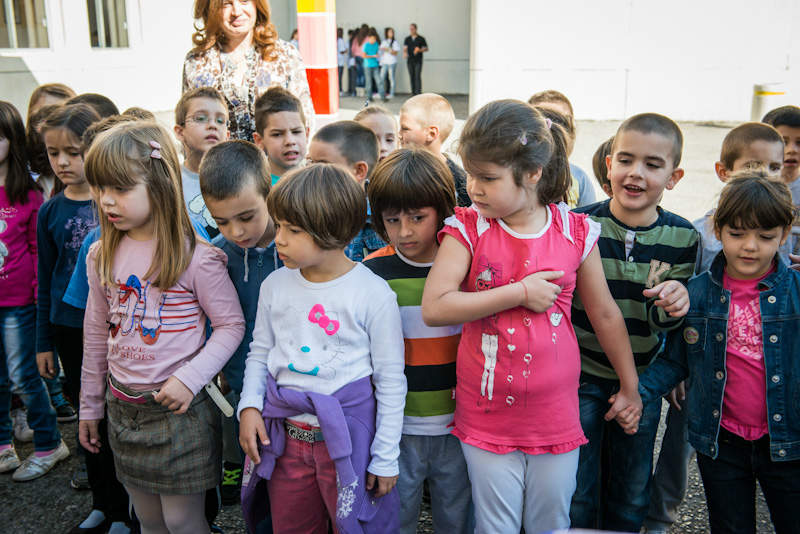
column 411, row 194
column 234, row 183
column 201, row 121
column 426, row 121
column 749, row 145
column 786, row 119
column 355, row 147
column 648, row 255
column 281, row 130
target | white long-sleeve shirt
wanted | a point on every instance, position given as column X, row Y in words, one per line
column 321, row 336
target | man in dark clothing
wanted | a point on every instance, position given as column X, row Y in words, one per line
column 413, row 48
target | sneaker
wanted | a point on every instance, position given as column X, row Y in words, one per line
column 231, row 483
column 35, row 466
column 80, row 479
column 19, row 419
column 66, row 413
column 8, row 460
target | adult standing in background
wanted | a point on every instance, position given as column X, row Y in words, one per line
column 238, row 52
column 341, row 55
column 390, row 49
column 413, row 48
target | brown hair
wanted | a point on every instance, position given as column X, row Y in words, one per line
column 648, row 123
column 103, row 105
column 228, row 166
column 139, row 113
column 514, row 134
column 275, row 100
column 409, row 179
column 34, row 143
column 599, row 162
column 210, row 33
column 783, row 116
column 182, row 107
column 372, row 109
column 58, row 90
column 751, row 199
column 322, row 199
column 551, row 95
column 110, row 162
column 354, row 141
column 18, row 180
column 742, row 136
column 96, row 128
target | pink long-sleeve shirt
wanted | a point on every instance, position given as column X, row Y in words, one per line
column 143, row 335
column 18, row 249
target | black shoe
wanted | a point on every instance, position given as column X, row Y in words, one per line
column 231, row 483
column 66, row 413
column 80, row 479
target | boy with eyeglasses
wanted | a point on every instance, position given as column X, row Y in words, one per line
column 201, row 121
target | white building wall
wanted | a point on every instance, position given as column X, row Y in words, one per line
column 146, row 74
column 445, row 24
column 689, row 59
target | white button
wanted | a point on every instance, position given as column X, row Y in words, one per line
column 720, row 375
column 776, row 379
column 773, row 338
column 719, row 336
column 777, row 417
column 722, row 299
column 715, row 413
column 771, row 299
column 630, row 259
column 782, row 453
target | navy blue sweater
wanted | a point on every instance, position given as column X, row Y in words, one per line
column 61, row 227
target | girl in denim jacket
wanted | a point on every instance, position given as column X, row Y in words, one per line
column 739, row 348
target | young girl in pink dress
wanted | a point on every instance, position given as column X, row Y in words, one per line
column 152, row 284
column 507, row 268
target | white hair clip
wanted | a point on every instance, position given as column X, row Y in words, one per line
column 156, row 153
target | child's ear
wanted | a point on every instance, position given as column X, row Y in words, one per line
column 432, row 134
column 360, row 171
column 722, row 173
column 786, row 232
column 677, row 174
column 534, row 177
column 607, row 189
column 608, row 162
column 178, row 129
column 257, row 139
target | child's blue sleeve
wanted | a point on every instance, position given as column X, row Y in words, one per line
column 47, row 256
column 201, row 230
column 667, row 371
column 78, row 288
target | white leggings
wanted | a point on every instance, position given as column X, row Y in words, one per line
column 169, row 514
column 517, row 489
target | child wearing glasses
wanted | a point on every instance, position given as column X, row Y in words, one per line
column 201, row 121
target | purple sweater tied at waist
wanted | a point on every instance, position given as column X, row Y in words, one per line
column 347, row 421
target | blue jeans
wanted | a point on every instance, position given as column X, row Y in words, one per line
column 17, row 346
column 730, row 485
column 440, row 461
column 388, row 70
column 373, row 76
column 613, row 464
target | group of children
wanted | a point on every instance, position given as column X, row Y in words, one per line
column 383, row 319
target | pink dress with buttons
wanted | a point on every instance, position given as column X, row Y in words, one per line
column 518, row 371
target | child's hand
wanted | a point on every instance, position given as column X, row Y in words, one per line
column 251, row 428
column 384, row 486
column 174, row 395
column 539, row 294
column 89, row 435
column 626, row 407
column 677, row 395
column 794, row 259
column 672, row 296
column 44, row 361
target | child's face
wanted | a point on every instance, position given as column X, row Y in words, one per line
column 749, row 252
column 639, row 170
column 64, row 153
column 761, row 154
column 243, row 218
column 412, row 132
column 296, row 248
column 284, row 140
column 128, row 208
column 494, row 192
column 791, row 153
column 206, row 125
column 385, row 129
column 322, row 152
column 413, row 233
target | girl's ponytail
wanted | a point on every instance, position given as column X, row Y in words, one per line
column 556, row 176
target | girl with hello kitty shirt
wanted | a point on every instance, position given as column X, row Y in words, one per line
column 507, row 268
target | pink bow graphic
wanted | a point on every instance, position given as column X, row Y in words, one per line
column 317, row 315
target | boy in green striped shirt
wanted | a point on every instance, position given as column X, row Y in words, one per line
column 411, row 193
column 648, row 256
